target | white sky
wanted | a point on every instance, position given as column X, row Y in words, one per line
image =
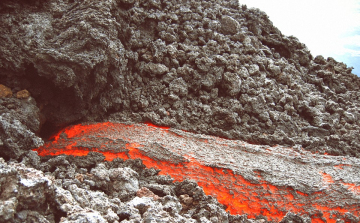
column 327, row 27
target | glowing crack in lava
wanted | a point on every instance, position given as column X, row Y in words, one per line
column 248, row 179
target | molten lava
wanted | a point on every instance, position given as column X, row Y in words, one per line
column 248, row 179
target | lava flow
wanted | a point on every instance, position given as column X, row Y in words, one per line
column 248, row 179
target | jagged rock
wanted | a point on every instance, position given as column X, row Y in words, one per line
column 20, row 120
column 66, row 193
column 145, row 192
column 121, row 182
column 30, row 195
column 178, row 87
column 16, row 138
column 86, row 217
column 232, row 83
column 211, row 67
column 156, row 69
column 22, row 189
column 145, row 61
column 229, row 25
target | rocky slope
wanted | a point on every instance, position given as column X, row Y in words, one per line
column 205, row 66
column 212, row 67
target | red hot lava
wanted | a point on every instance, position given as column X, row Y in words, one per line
column 248, row 179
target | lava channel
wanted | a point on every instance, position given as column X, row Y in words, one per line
column 248, row 179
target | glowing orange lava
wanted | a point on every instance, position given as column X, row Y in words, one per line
column 241, row 196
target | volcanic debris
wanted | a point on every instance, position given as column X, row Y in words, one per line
column 214, row 67
column 85, row 189
column 210, row 67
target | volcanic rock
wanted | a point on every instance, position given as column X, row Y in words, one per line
column 229, row 25
column 23, row 190
column 178, row 64
column 67, row 193
column 19, row 123
column 16, row 138
column 209, row 67
column 242, row 176
column 145, row 192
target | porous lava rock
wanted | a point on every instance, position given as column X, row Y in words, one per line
column 68, row 189
column 65, row 189
column 211, row 67
column 20, row 120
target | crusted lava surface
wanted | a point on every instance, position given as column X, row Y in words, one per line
column 248, row 179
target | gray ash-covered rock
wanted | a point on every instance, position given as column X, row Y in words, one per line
column 210, row 67
column 20, row 120
column 65, row 189
column 87, row 189
column 24, row 191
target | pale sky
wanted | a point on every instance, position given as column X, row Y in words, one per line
column 327, row 27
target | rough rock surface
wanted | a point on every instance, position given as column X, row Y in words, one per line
column 247, row 179
column 211, row 67
column 19, row 123
column 68, row 189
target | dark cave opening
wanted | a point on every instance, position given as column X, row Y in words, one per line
column 58, row 107
column 47, row 130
